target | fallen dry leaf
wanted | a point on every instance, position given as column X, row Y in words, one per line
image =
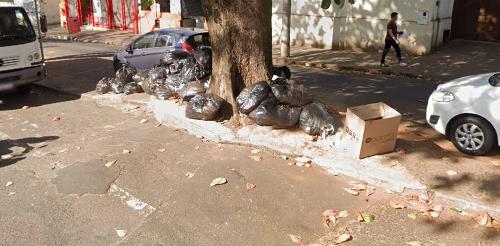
column 401, row 151
column 291, row 163
column 396, row 205
column 343, row 238
column 158, row 125
column 412, row 216
column 256, row 158
column 251, row 186
column 144, row 121
column 197, row 148
column 63, row 150
column 358, row 187
column 394, row 163
column 9, row 183
column 360, row 218
column 434, row 214
column 343, row 113
column 483, row 219
column 126, row 151
column 284, row 157
column 455, row 210
column 111, row 163
column 161, row 150
column 444, row 158
column 329, row 212
column 255, row 151
column 25, row 107
column 57, row 118
column 495, row 224
column 308, row 165
column 189, row 175
column 315, row 138
column 218, row 181
column 352, row 192
column 343, row 214
column 295, row 238
column 412, row 197
column 6, row 157
column 368, row 217
column 451, row 173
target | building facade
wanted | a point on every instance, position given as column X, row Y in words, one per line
column 362, row 26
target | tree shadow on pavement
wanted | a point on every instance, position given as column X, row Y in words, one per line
column 9, row 147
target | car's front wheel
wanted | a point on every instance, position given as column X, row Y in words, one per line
column 472, row 135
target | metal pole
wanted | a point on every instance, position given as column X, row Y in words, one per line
column 285, row 31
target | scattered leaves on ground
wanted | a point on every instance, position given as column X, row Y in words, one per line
column 256, row 158
column 111, row 163
column 9, row 183
column 218, row 181
column 343, row 238
column 251, row 186
column 352, row 192
column 144, row 121
column 295, row 238
column 189, row 175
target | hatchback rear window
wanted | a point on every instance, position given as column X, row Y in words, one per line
column 199, row 40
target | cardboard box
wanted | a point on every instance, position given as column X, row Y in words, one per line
column 374, row 128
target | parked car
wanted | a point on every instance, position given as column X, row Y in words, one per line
column 467, row 111
column 148, row 49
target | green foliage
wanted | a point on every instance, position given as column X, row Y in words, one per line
column 325, row 4
column 146, row 4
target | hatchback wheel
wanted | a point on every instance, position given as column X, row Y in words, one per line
column 472, row 135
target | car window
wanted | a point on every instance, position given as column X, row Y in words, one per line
column 199, row 40
column 165, row 40
column 145, row 41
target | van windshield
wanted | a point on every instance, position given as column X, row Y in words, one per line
column 15, row 27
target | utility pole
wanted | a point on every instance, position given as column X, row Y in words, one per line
column 285, row 29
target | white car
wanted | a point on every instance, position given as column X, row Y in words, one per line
column 467, row 111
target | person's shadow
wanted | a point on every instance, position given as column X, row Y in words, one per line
column 7, row 144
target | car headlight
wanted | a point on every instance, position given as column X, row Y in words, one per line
column 443, row 96
column 29, row 58
column 36, row 56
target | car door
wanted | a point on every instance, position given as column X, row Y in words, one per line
column 139, row 50
column 164, row 42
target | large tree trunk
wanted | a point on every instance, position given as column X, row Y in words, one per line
column 240, row 33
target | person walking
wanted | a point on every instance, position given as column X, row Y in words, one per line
column 392, row 40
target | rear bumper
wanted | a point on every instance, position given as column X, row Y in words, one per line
column 18, row 77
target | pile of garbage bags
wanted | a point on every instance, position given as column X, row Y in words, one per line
column 283, row 104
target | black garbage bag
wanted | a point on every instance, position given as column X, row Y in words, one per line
column 131, row 88
column 270, row 113
column 172, row 56
column 283, row 72
column 315, row 120
column 163, row 93
column 250, row 97
column 175, row 82
column 176, row 66
column 116, row 86
column 289, row 94
column 192, row 89
column 192, row 71
column 204, row 107
column 203, row 56
column 103, row 86
column 125, row 73
column 158, row 73
column 140, row 76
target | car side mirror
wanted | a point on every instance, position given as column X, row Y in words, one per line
column 43, row 23
column 129, row 49
column 495, row 80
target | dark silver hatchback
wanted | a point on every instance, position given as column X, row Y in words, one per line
column 148, row 49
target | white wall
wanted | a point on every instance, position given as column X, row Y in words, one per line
column 50, row 8
column 362, row 26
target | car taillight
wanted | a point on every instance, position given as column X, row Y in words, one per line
column 186, row 47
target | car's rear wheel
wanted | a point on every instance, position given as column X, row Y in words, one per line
column 24, row 89
column 472, row 135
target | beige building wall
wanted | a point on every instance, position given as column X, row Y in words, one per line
column 362, row 26
column 50, row 8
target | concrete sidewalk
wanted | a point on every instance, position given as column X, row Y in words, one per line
column 110, row 37
column 457, row 59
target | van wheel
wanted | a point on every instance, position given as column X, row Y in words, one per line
column 24, row 89
column 472, row 135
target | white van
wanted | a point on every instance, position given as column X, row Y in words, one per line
column 21, row 56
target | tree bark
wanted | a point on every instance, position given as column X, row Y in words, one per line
column 240, row 35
